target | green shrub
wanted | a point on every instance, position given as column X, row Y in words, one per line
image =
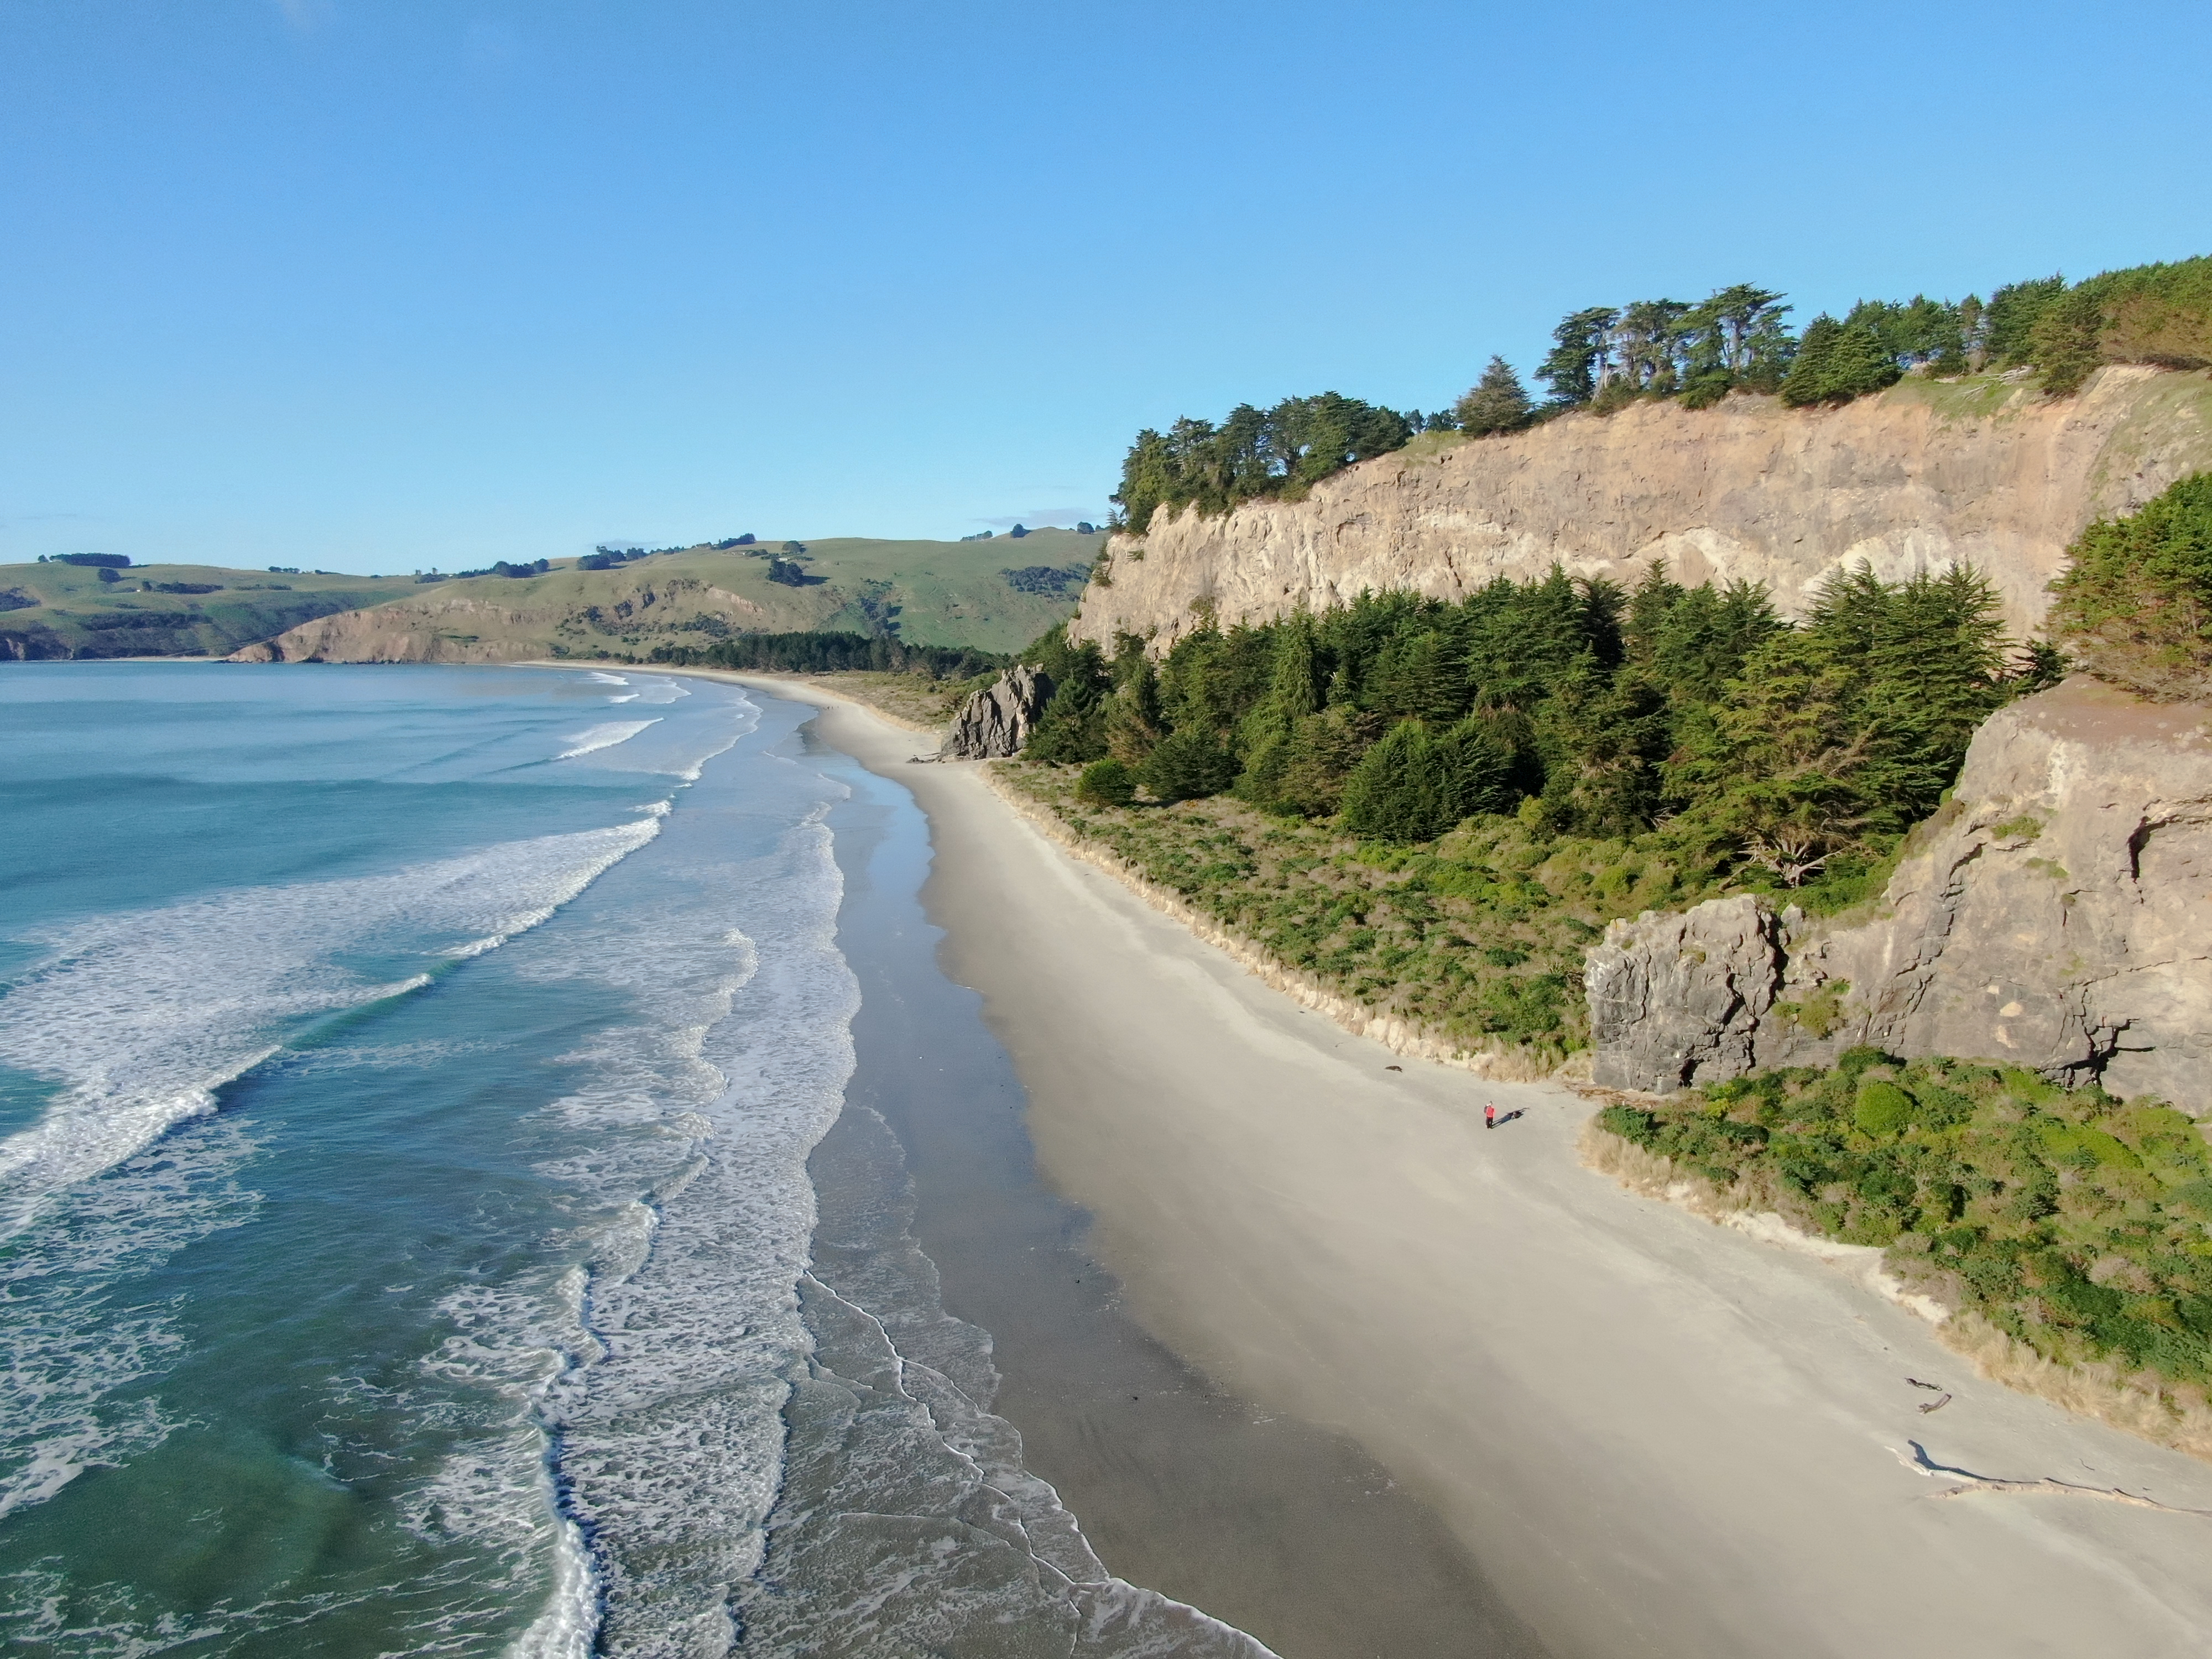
column 1626, row 1122
column 1883, row 1109
column 1106, row 783
column 2074, row 1222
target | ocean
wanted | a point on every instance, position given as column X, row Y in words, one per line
column 409, row 1078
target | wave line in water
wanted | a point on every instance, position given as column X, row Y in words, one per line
column 606, row 737
column 144, row 1015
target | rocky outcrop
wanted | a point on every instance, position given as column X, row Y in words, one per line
column 2056, row 914
column 1990, row 472
column 1676, row 998
column 996, row 720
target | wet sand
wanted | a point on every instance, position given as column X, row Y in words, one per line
column 1292, row 1533
column 1655, row 1436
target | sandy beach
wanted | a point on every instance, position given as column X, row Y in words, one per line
column 1654, row 1436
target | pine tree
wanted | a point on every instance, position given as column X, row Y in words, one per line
column 1415, row 786
column 1858, row 362
column 2063, row 344
column 1497, row 403
column 1187, row 764
column 1807, row 381
column 1133, row 714
column 2136, row 602
column 1578, row 353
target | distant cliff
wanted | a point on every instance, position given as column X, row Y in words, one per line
column 2053, row 914
column 1986, row 470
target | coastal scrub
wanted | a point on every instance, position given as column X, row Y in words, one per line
column 2076, row 1225
column 1476, row 938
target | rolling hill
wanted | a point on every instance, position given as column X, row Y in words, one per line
column 994, row 595
column 64, row 611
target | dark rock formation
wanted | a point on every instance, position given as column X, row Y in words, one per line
column 998, row 721
column 2056, row 914
column 1676, row 998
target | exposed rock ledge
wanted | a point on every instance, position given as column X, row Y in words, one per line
column 1993, row 474
column 2056, row 914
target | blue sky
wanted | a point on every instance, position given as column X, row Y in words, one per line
column 376, row 284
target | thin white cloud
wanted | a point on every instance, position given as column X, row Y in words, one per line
column 305, row 15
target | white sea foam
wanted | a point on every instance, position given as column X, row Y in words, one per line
column 605, row 737
column 143, row 1015
column 606, row 679
column 692, row 1123
column 68, row 1353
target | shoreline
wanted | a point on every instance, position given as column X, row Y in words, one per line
column 1180, row 1488
column 1651, row 1436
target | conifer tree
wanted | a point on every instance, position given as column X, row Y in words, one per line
column 2064, row 342
column 1497, row 403
column 1414, row 786
column 1188, row 764
column 1858, row 362
column 1807, row 381
column 2012, row 314
column 1578, row 355
column 1132, row 715
column 2136, row 602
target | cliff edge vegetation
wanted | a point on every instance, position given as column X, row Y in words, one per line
column 1736, row 339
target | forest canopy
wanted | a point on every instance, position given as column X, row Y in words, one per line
column 832, row 652
column 1753, row 745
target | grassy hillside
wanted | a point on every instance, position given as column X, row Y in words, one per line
column 944, row 593
column 61, row 611
column 947, row 594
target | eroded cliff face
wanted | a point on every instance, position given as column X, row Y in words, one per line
column 2056, row 914
column 1989, row 472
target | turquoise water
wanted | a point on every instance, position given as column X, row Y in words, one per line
column 407, row 1078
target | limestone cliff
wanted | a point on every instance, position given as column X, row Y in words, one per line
column 1985, row 471
column 2056, row 914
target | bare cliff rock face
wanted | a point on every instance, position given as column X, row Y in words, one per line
column 2056, row 914
column 1990, row 472
column 996, row 720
